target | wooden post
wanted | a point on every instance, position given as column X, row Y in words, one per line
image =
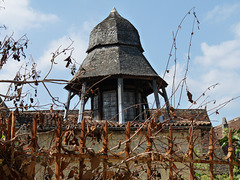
column 58, row 147
column 81, row 109
column 100, row 104
column 128, row 143
column 166, row 100
column 191, row 148
column 13, row 124
column 170, row 150
column 149, row 149
column 105, row 149
column 82, row 145
column 34, row 138
column 155, row 91
column 230, row 152
column 211, row 149
column 9, row 126
column 121, row 119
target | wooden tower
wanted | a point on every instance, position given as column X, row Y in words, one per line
column 115, row 74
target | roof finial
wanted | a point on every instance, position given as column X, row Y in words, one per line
column 114, row 9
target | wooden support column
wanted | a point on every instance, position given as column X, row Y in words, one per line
column 190, row 153
column 82, row 102
column 155, row 91
column 105, row 149
column 13, row 130
column 121, row 119
column 166, row 99
column 230, row 154
column 146, row 108
column 137, row 107
column 100, row 104
column 9, row 126
column 149, row 149
column 67, row 105
column 58, row 132
column 211, row 148
column 34, row 148
column 82, row 146
column 170, row 151
column 128, row 143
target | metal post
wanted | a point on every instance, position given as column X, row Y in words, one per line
column 67, row 105
column 80, row 114
column 121, row 119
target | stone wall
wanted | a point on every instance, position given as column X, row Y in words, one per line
column 47, row 140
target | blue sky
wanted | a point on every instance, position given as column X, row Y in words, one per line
column 215, row 51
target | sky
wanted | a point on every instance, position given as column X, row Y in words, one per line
column 214, row 55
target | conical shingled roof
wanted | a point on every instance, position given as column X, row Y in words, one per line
column 114, row 30
column 115, row 49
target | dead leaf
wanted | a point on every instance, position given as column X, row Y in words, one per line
column 6, row 170
column 95, row 161
column 68, row 60
column 50, row 172
column 175, row 167
column 43, row 164
column 110, row 174
column 64, row 165
column 71, row 174
column 50, row 161
column 189, row 95
column 88, row 175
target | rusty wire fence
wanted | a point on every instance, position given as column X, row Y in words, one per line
column 21, row 156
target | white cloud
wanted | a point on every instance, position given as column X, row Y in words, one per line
column 220, row 64
column 220, row 13
column 18, row 15
column 236, row 29
column 225, row 55
column 79, row 44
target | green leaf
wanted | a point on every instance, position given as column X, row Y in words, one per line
column 224, row 140
column 236, row 137
column 238, row 131
column 3, row 136
column 224, row 144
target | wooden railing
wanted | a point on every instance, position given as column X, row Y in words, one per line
column 90, row 160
